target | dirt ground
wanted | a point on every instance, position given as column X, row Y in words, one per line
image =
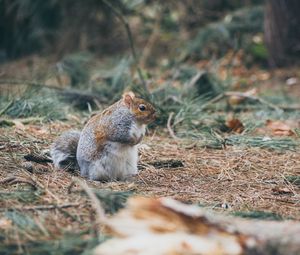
column 232, row 179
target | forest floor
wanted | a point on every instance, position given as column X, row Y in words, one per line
column 45, row 211
column 240, row 181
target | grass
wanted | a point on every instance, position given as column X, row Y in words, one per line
column 258, row 215
column 35, row 103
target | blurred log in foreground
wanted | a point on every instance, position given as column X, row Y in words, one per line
column 165, row 226
column 282, row 33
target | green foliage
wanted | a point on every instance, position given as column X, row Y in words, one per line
column 76, row 66
column 23, row 196
column 26, row 22
column 111, row 81
column 258, row 51
column 22, row 221
column 277, row 144
column 193, row 121
column 35, row 103
column 61, row 26
column 295, row 180
column 233, row 32
column 112, row 201
column 261, row 215
column 68, row 245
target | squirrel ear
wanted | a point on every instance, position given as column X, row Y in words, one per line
column 128, row 98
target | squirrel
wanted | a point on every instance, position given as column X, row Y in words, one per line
column 106, row 148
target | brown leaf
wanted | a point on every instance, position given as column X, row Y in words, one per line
column 5, row 223
column 281, row 128
column 281, row 191
column 19, row 125
column 235, row 125
column 236, row 100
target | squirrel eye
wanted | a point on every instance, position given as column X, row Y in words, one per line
column 142, row 107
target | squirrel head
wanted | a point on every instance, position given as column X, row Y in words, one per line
column 143, row 111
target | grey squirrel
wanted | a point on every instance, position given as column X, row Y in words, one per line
column 106, row 148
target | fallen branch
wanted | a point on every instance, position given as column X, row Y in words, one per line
column 79, row 98
column 95, row 202
column 70, row 95
column 6, row 107
column 30, row 83
column 290, row 107
column 243, row 95
column 188, row 229
column 19, row 122
column 37, row 158
column 255, row 98
column 130, row 38
column 40, row 207
column 171, row 131
column 155, row 35
column 13, row 180
column 170, row 163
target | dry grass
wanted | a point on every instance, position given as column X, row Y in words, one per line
column 249, row 179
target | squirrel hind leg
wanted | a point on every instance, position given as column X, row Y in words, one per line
column 63, row 150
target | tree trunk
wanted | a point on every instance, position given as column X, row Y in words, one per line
column 282, row 33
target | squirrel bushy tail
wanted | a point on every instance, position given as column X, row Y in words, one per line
column 63, row 151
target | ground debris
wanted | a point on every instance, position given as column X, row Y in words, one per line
column 37, row 158
column 176, row 228
column 169, row 163
column 282, row 128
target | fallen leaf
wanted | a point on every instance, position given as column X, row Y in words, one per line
column 235, row 125
column 236, row 100
column 19, row 125
column 281, row 191
column 5, row 223
column 37, row 130
column 281, row 128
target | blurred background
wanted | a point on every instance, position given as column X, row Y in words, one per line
column 83, row 54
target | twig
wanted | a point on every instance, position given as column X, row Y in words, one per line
column 13, row 180
column 152, row 38
column 255, row 98
column 95, row 201
column 290, row 107
column 214, row 100
column 170, row 163
column 40, row 207
column 37, row 158
column 30, row 83
column 6, row 107
column 240, row 94
column 192, row 145
column 171, row 131
column 194, row 79
column 129, row 35
column 40, row 184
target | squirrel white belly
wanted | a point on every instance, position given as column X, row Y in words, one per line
column 106, row 148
